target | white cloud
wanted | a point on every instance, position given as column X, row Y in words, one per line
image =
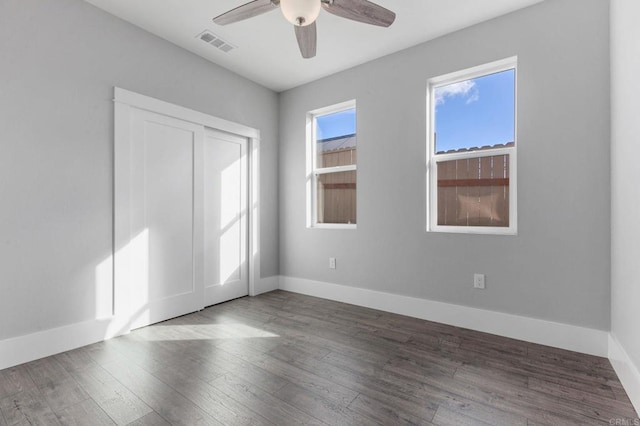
column 475, row 95
column 465, row 88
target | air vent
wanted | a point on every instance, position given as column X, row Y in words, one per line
column 215, row 41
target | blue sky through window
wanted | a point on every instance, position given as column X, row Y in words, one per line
column 337, row 124
column 476, row 112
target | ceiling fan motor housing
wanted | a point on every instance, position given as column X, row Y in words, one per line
column 300, row 12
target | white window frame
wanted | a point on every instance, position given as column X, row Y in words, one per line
column 313, row 171
column 433, row 158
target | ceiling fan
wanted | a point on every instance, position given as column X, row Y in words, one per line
column 303, row 13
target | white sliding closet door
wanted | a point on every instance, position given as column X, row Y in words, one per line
column 181, row 211
column 225, row 217
column 166, row 218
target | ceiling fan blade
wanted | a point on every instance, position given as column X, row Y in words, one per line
column 248, row 10
column 307, row 40
column 360, row 11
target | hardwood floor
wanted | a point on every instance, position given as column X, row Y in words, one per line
column 287, row 359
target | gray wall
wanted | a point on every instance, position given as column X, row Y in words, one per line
column 558, row 266
column 59, row 61
column 625, row 175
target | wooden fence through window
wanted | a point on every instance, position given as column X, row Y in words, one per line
column 474, row 191
column 471, row 191
column 336, row 192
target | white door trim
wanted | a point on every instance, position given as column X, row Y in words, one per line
column 136, row 100
column 124, row 102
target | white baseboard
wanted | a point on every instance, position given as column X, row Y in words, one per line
column 21, row 349
column 559, row 335
column 627, row 371
column 33, row 346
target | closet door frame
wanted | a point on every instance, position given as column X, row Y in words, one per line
column 124, row 103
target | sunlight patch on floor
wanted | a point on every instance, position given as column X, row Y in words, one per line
column 200, row 332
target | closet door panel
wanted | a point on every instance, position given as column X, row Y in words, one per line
column 165, row 283
column 225, row 217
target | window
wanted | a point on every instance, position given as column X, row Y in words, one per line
column 331, row 153
column 472, row 150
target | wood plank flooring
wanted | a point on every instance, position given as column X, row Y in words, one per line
column 287, row 359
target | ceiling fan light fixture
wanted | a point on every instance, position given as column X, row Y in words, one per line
column 300, row 12
column 303, row 14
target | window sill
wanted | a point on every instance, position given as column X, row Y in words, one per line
column 481, row 230
column 333, row 226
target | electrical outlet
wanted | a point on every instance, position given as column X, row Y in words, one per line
column 478, row 281
column 332, row 263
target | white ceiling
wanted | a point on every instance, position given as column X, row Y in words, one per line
column 267, row 52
